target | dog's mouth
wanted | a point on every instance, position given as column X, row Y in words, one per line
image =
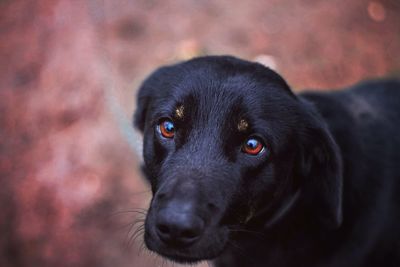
column 182, row 257
column 210, row 245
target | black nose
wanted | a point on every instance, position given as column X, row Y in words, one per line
column 178, row 227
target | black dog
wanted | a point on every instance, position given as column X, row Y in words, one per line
column 247, row 173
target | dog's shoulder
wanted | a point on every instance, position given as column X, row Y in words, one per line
column 365, row 115
column 365, row 121
column 371, row 99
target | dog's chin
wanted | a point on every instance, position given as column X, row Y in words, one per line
column 210, row 246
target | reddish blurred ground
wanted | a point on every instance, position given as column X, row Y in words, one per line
column 67, row 79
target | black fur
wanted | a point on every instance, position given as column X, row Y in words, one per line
column 325, row 191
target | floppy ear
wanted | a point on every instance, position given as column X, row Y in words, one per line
column 156, row 84
column 142, row 105
column 143, row 100
column 322, row 172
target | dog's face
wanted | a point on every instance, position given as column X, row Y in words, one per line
column 226, row 143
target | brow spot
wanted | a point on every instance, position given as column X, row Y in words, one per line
column 243, row 125
column 179, row 112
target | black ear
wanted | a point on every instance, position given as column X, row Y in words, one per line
column 142, row 105
column 155, row 86
column 322, row 172
column 143, row 100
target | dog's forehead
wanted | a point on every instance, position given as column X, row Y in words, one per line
column 217, row 107
column 222, row 95
column 210, row 104
column 211, row 93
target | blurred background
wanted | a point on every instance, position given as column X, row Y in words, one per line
column 70, row 185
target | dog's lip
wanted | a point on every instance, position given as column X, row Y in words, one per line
column 180, row 257
column 188, row 254
column 185, row 256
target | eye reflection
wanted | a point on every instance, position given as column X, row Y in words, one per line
column 167, row 128
column 252, row 146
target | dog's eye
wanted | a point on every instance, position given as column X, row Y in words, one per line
column 252, row 146
column 166, row 128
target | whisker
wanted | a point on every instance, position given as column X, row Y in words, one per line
column 137, row 232
column 139, row 214
column 135, row 211
column 129, row 236
column 131, row 224
column 142, row 247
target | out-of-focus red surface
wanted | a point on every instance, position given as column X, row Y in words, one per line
column 66, row 166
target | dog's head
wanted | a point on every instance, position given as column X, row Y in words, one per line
column 227, row 143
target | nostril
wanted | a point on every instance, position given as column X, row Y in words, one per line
column 190, row 234
column 162, row 228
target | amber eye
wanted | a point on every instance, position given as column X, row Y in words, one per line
column 252, row 146
column 167, row 128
